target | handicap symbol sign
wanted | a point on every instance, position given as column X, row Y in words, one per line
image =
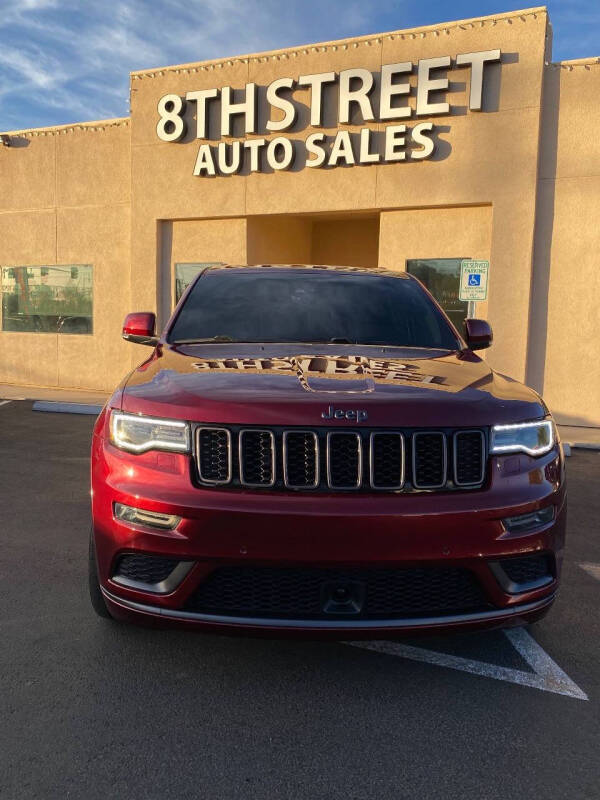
column 473, row 280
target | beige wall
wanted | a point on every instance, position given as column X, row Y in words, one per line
column 209, row 240
column 64, row 199
column 350, row 242
column 278, row 240
column 564, row 355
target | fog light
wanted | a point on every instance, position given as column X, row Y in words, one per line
column 529, row 521
column 151, row 519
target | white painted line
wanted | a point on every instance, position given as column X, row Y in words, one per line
column 553, row 677
column 548, row 676
column 4, row 402
column 592, row 569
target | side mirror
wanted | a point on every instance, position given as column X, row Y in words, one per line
column 139, row 328
column 478, row 334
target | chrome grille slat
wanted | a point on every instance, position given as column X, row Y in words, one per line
column 424, row 471
column 256, row 452
column 468, row 457
column 385, row 439
column 213, row 446
column 335, row 450
column 340, row 459
column 297, row 448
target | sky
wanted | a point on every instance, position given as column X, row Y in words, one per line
column 65, row 61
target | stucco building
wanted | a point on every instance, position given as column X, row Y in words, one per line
column 412, row 150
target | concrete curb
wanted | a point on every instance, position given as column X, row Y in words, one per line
column 53, row 394
column 67, row 408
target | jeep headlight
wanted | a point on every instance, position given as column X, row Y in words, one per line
column 533, row 438
column 140, row 434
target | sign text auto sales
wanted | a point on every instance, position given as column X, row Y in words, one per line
column 358, row 98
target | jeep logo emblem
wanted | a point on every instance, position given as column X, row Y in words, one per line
column 338, row 413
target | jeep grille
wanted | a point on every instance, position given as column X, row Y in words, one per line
column 340, row 460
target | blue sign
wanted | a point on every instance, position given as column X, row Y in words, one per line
column 473, row 280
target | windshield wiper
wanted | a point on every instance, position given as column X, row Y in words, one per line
column 219, row 338
column 224, row 338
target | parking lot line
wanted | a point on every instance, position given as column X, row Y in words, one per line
column 4, row 402
column 544, row 666
column 547, row 675
column 592, row 569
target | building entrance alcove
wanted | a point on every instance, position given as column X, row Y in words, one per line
column 350, row 240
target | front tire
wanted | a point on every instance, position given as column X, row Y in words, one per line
column 96, row 598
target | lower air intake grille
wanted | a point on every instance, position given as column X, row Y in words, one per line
column 527, row 569
column 145, row 569
column 298, row 592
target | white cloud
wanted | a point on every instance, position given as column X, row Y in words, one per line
column 35, row 5
column 75, row 56
column 34, row 68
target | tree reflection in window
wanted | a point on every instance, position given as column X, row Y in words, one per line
column 48, row 299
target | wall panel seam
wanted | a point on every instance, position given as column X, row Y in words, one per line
column 40, row 209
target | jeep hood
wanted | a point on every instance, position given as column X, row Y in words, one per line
column 294, row 384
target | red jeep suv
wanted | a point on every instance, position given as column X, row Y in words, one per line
column 318, row 451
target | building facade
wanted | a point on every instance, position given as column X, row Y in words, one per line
column 407, row 150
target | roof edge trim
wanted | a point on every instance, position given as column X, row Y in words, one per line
column 52, row 130
column 368, row 39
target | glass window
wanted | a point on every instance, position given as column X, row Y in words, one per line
column 185, row 274
column 442, row 277
column 49, row 299
column 272, row 305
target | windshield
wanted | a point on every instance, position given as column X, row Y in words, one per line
column 311, row 306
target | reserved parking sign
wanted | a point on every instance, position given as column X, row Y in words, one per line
column 473, row 280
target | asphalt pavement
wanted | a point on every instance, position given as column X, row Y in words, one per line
column 95, row 709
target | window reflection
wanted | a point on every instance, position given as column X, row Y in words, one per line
column 442, row 277
column 49, row 299
column 185, row 274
